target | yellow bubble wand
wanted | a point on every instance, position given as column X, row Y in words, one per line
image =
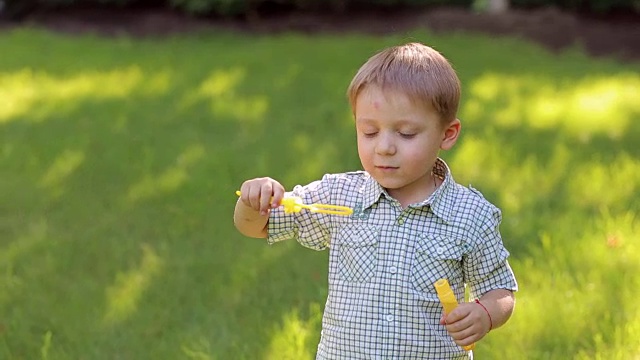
column 294, row 204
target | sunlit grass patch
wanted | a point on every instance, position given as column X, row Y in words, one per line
column 291, row 339
column 32, row 95
column 596, row 104
column 123, row 296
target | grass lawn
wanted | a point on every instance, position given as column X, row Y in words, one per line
column 119, row 159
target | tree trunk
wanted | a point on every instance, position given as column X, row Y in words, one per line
column 498, row 6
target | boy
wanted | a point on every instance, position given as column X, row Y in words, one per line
column 412, row 223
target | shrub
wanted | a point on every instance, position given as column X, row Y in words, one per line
column 19, row 8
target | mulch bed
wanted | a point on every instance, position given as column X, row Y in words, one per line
column 616, row 35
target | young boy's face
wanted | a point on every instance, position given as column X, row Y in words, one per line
column 398, row 142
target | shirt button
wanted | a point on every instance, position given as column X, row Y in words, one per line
column 400, row 221
column 440, row 250
column 389, row 318
column 393, row 269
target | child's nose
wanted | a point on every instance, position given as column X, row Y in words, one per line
column 385, row 145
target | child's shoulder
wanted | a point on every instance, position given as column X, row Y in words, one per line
column 475, row 193
column 472, row 202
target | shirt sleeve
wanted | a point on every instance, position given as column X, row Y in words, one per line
column 486, row 266
column 309, row 229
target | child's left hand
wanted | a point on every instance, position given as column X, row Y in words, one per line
column 467, row 323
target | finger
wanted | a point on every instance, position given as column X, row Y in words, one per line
column 442, row 319
column 459, row 326
column 265, row 198
column 245, row 194
column 468, row 335
column 466, row 341
column 278, row 195
column 454, row 328
column 253, row 194
column 459, row 334
column 456, row 315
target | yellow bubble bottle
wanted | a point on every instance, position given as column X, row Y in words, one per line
column 448, row 301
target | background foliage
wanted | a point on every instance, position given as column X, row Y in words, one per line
column 21, row 8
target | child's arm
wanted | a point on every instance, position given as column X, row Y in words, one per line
column 470, row 322
column 258, row 196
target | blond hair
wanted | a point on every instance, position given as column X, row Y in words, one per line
column 418, row 71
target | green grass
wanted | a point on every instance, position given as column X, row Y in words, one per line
column 119, row 159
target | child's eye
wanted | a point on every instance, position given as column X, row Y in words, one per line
column 370, row 134
column 407, row 135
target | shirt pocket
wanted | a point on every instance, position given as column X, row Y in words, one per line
column 436, row 257
column 357, row 248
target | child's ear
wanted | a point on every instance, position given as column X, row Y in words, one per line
column 450, row 134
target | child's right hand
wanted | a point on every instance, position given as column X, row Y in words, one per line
column 262, row 194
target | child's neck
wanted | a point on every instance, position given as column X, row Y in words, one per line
column 408, row 196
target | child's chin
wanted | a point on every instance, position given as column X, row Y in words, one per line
column 389, row 185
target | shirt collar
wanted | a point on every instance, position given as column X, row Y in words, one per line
column 440, row 202
column 371, row 192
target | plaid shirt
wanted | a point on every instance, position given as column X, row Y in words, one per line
column 384, row 260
